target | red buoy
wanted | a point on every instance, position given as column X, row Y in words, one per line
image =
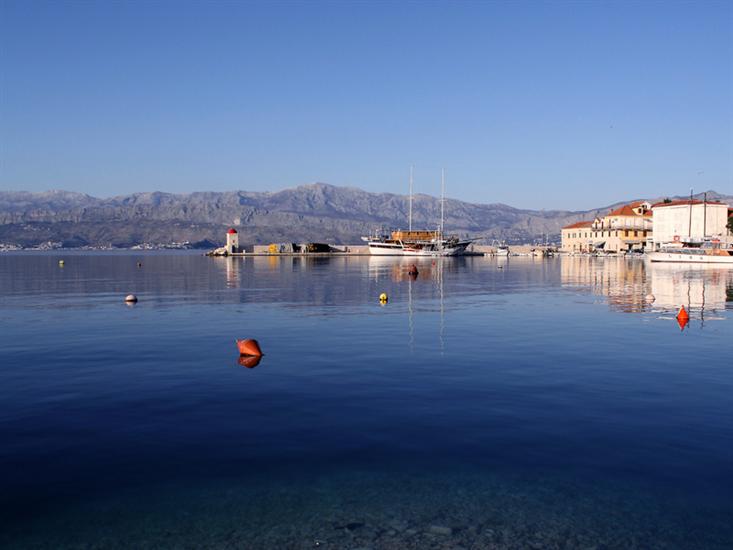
column 249, row 361
column 683, row 317
column 249, row 347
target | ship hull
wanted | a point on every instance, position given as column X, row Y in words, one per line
column 682, row 258
column 394, row 249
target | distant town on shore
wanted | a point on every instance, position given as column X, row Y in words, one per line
column 341, row 215
column 642, row 226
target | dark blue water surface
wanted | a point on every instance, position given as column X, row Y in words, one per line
column 522, row 404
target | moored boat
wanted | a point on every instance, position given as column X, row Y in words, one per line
column 708, row 253
column 418, row 242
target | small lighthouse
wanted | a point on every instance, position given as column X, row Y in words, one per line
column 232, row 241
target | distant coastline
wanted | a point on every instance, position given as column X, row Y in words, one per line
column 308, row 213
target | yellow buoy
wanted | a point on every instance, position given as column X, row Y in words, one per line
column 61, row 263
column 383, row 297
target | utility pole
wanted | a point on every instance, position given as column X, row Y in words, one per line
column 689, row 227
column 704, row 215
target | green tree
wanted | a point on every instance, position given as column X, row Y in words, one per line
column 667, row 200
column 730, row 224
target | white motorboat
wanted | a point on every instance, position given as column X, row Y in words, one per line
column 708, row 253
column 502, row 250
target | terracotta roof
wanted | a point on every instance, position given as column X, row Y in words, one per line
column 677, row 203
column 577, row 225
column 625, row 210
column 232, row 231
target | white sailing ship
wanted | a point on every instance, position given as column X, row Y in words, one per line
column 418, row 242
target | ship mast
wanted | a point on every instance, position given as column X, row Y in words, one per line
column 442, row 200
column 410, row 215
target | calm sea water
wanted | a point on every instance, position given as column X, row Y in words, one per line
column 525, row 403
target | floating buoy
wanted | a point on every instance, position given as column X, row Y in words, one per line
column 139, row 264
column 649, row 297
column 683, row 317
column 61, row 263
column 249, row 347
column 383, row 297
column 130, row 298
column 412, row 270
column 249, row 361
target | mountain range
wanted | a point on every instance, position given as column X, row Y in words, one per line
column 308, row 213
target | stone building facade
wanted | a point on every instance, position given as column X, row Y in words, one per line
column 622, row 230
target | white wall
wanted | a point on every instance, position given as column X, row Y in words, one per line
column 675, row 220
column 232, row 242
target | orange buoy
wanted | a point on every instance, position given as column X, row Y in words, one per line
column 249, row 347
column 683, row 317
column 249, row 361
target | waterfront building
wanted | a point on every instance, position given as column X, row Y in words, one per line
column 688, row 221
column 576, row 237
column 232, row 241
column 622, row 230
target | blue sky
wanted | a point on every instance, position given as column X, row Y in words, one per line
column 534, row 104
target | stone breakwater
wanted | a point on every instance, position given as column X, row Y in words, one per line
column 375, row 511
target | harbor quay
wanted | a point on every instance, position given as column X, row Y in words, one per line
column 363, row 250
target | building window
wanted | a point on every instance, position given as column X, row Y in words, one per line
column 636, row 233
column 626, row 233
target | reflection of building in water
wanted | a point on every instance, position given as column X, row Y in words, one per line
column 233, row 265
column 624, row 282
column 701, row 289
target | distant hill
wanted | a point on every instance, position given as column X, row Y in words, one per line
column 316, row 212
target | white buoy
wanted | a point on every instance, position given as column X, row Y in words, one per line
column 130, row 298
column 649, row 297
